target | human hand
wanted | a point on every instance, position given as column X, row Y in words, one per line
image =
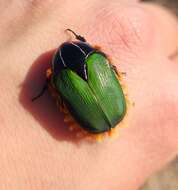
column 37, row 150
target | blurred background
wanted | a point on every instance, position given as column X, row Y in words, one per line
column 170, row 4
column 166, row 179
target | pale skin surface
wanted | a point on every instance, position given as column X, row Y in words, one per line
column 37, row 150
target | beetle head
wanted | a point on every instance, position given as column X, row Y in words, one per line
column 72, row 55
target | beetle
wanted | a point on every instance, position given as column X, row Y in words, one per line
column 87, row 84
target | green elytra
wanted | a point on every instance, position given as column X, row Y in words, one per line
column 97, row 104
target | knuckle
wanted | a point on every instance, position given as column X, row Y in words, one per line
column 128, row 28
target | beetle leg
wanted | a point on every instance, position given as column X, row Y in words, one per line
column 115, row 69
column 48, row 76
column 123, row 73
column 117, row 72
column 41, row 92
column 78, row 37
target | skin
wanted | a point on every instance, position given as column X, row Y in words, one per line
column 37, row 150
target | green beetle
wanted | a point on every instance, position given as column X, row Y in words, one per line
column 88, row 85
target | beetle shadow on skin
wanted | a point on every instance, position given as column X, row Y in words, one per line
column 44, row 109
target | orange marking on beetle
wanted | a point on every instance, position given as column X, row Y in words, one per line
column 72, row 123
column 48, row 73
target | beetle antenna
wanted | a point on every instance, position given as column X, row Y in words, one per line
column 41, row 92
column 78, row 37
